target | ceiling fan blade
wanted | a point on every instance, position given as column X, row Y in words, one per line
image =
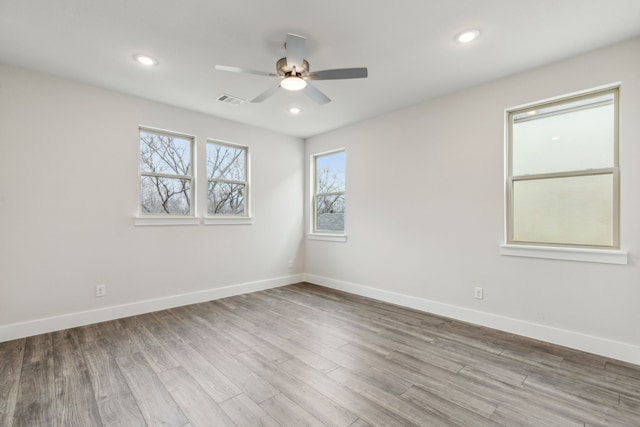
column 316, row 95
column 339, row 73
column 266, row 94
column 295, row 50
column 243, row 70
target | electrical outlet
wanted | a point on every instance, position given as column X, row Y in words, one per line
column 478, row 293
column 290, row 264
column 101, row 290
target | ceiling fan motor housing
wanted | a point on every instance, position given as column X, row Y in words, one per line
column 284, row 70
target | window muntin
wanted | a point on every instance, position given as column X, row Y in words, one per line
column 166, row 173
column 227, row 186
column 329, row 189
column 562, row 186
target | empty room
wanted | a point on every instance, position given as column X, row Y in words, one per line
column 278, row 213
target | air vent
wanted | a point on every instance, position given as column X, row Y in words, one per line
column 231, row 100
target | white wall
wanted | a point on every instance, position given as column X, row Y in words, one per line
column 424, row 214
column 69, row 194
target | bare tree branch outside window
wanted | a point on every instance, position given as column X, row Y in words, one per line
column 227, row 179
column 166, row 173
column 329, row 192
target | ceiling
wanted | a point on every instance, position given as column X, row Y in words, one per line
column 408, row 47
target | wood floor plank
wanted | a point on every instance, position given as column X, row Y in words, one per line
column 401, row 407
column 286, row 349
column 202, row 357
column 446, row 408
column 75, row 399
column 258, row 340
column 519, row 400
column 38, row 348
column 230, row 343
column 348, row 398
column 36, row 401
column 116, row 404
column 11, row 357
column 310, row 399
column 157, row 355
column 198, row 406
column 155, row 403
column 374, row 367
column 215, row 383
column 245, row 412
column 254, row 386
column 75, row 403
column 288, row 413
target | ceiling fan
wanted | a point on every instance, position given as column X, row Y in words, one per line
column 293, row 70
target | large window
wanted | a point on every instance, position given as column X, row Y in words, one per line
column 166, row 173
column 328, row 197
column 227, row 187
column 563, row 177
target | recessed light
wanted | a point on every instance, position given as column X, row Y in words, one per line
column 468, row 36
column 145, row 60
column 295, row 110
column 555, row 138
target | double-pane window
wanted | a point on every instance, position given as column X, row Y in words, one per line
column 563, row 173
column 227, row 186
column 328, row 198
column 166, row 173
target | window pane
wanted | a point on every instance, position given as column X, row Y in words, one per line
column 165, row 195
column 570, row 138
column 225, row 162
column 330, row 173
column 226, row 198
column 571, row 210
column 330, row 213
column 165, row 154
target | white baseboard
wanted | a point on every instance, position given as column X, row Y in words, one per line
column 576, row 340
column 72, row 320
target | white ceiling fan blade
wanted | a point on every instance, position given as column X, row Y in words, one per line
column 266, row 94
column 316, row 95
column 339, row 73
column 243, row 70
column 294, row 47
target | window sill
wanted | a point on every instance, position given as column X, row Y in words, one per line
column 327, row 237
column 228, row 220
column 607, row 256
column 166, row 220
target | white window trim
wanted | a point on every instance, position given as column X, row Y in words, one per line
column 226, row 219
column 326, row 237
column 153, row 220
column 606, row 256
column 584, row 254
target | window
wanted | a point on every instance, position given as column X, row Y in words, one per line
column 328, row 193
column 166, row 173
column 563, row 177
column 227, row 187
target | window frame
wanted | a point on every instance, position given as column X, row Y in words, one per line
column 327, row 235
column 579, row 252
column 229, row 219
column 144, row 218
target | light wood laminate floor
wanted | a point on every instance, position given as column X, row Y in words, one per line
column 303, row 355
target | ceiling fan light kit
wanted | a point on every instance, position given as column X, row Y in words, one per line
column 293, row 83
column 293, row 70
